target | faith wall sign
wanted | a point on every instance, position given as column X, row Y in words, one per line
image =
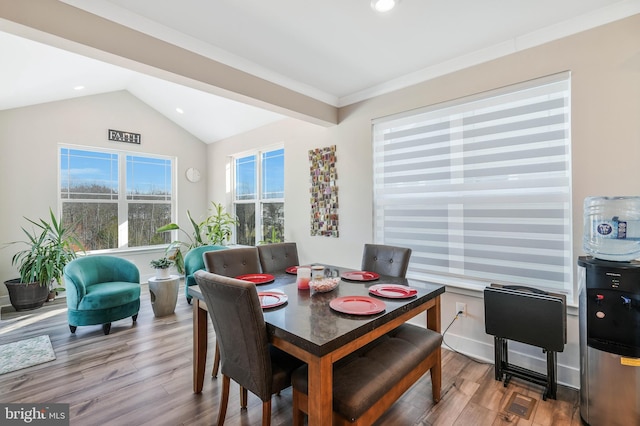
column 120, row 136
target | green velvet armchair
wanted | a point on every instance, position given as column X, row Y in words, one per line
column 100, row 290
column 193, row 262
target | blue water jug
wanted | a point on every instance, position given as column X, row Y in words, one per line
column 612, row 228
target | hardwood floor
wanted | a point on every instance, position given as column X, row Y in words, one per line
column 141, row 375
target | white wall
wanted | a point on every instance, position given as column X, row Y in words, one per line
column 29, row 176
column 605, row 67
column 354, row 173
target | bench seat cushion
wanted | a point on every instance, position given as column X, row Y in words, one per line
column 364, row 377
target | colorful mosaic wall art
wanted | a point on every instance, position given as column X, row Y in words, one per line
column 324, row 192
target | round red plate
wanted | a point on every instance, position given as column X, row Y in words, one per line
column 271, row 299
column 357, row 305
column 292, row 270
column 257, row 278
column 360, row 276
column 393, row 291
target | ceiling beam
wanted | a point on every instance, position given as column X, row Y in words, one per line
column 61, row 25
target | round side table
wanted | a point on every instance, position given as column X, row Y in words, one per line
column 164, row 294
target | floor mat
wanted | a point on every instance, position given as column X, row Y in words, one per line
column 25, row 353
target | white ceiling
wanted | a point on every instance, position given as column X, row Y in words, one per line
column 336, row 51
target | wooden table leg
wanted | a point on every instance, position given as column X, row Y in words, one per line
column 199, row 344
column 433, row 316
column 434, row 323
column 320, row 392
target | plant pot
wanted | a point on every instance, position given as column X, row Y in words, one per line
column 26, row 296
column 163, row 274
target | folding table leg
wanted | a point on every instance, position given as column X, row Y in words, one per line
column 552, row 366
column 497, row 349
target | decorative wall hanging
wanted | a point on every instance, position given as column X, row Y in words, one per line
column 121, row 136
column 324, row 192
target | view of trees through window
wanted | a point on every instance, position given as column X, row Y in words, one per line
column 91, row 184
column 246, row 228
column 259, row 187
column 272, row 222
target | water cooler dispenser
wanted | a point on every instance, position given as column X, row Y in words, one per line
column 609, row 297
column 609, row 342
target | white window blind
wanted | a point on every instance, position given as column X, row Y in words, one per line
column 480, row 188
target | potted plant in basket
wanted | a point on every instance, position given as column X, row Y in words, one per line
column 162, row 266
column 49, row 247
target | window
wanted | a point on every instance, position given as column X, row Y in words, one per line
column 480, row 188
column 259, row 187
column 115, row 199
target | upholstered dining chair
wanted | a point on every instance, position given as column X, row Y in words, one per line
column 193, row 261
column 386, row 260
column 100, row 290
column 233, row 262
column 230, row 263
column 277, row 256
column 245, row 353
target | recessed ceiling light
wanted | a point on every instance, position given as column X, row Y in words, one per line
column 78, row 88
column 383, row 6
column 179, row 110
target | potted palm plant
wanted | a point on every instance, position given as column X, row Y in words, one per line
column 175, row 249
column 215, row 229
column 49, row 247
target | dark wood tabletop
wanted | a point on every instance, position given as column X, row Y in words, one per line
column 307, row 321
column 308, row 328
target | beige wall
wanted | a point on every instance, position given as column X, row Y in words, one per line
column 30, row 137
column 605, row 71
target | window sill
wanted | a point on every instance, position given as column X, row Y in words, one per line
column 127, row 250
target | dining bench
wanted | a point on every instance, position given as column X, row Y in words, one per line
column 367, row 382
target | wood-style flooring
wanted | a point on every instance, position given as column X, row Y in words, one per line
column 141, row 375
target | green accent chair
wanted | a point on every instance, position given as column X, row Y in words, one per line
column 194, row 261
column 100, row 290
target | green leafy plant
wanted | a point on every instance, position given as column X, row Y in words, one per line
column 273, row 239
column 162, row 263
column 176, row 247
column 50, row 246
column 219, row 225
column 215, row 229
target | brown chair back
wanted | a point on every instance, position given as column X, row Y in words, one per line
column 241, row 333
column 233, row 262
column 278, row 256
column 386, row 260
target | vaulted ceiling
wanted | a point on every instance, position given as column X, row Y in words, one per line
column 334, row 51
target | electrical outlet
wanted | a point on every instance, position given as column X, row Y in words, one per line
column 461, row 307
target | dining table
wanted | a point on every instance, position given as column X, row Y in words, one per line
column 306, row 325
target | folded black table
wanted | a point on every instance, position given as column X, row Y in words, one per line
column 529, row 316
